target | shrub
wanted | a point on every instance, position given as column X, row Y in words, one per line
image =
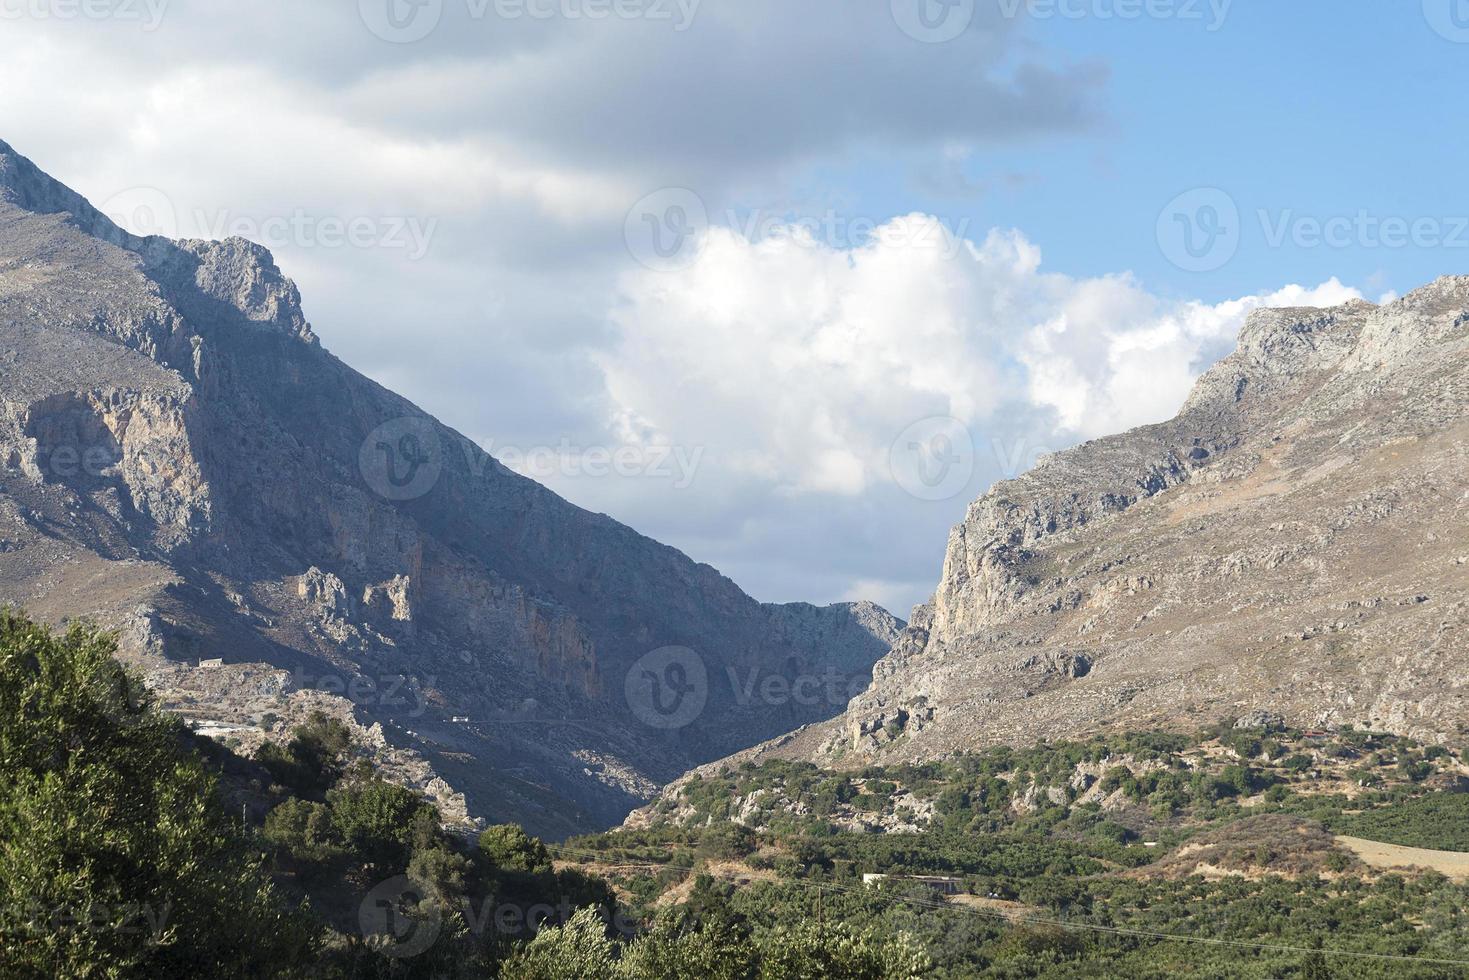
column 116, row 857
column 808, row 950
column 578, row 949
column 314, row 759
column 1043, row 944
column 304, row 830
column 1118, row 777
column 380, row 822
column 510, row 849
column 706, row 954
column 440, row 871
column 729, row 841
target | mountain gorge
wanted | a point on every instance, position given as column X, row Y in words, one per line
column 273, row 533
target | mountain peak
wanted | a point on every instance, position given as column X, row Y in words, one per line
column 176, row 463
column 1284, row 544
column 1446, row 294
column 192, row 274
column 30, row 188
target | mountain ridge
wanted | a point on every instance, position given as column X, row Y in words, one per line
column 251, row 500
column 1289, row 546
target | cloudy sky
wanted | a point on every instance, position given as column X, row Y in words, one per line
column 784, row 283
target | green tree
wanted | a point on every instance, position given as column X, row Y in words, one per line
column 304, row 830
column 1314, row 967
column 703, row 954
column 382, row 822
column 314, row 759
column 510, row 849
column 838, row 952
column 441, row 871
column 578, row 949
column 116, row 857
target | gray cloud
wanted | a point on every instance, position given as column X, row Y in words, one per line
column 524, row 141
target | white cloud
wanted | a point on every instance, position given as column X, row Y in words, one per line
column 796, row 364
column 1114, row 357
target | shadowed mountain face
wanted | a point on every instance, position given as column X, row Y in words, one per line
column 272, row 532
column 1294, row 545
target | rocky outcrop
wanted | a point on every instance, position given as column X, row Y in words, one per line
column 176, row 439
column 1289, row 547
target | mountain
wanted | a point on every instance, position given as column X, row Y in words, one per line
column 272, row 533
column 1293, row 547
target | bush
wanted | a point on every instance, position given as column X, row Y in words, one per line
column 441, row 872
column 304, row 830
column 314, row 759
column 707, row 954
column 578, row 949
column 510, row 849
column 1245, row 747
column 1112, row 831
column 381, row 822
column 116, row 857
column 1118, row 777
column 840, row 951
column 729, row 841
column 1043, row 944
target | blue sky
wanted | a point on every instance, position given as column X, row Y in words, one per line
column 1311, row 107
column 901, row 253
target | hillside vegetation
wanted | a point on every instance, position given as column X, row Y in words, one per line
column 131, row 847
column 1140, row 855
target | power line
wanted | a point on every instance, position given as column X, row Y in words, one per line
column 1027, row 919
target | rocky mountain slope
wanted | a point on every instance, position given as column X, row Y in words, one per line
column 273, row 532
column 1294, row 545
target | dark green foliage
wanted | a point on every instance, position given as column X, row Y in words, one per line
column 1438, row 822
column 1118, row 777
column 116, row 858
column 108, row 811
column 728, row 841
column 1028, row 826
column 381, row 822
column 305, row 830
column 509, row 849
column 314, row 759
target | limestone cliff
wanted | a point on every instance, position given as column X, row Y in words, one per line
column 180, row 452
column 1295, row 542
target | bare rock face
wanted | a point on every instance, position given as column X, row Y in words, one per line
column 325, row 593
column 181, row 459
column 1290, row 548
